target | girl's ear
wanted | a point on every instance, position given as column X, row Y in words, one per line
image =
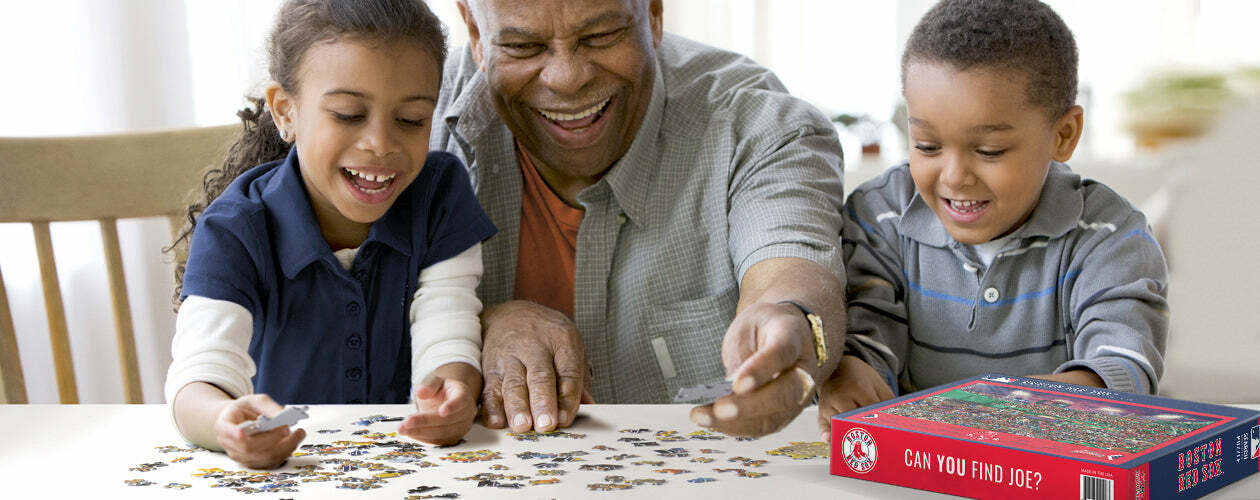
column 282, row 107
column 1067, row 133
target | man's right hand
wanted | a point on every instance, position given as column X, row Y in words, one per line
column 534, row 367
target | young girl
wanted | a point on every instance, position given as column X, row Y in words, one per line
column 301, row 277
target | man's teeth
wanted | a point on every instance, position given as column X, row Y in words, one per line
column 370, row 177
column 966, row 206
column 564, row 117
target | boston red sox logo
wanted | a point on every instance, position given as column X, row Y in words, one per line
column 859, row 450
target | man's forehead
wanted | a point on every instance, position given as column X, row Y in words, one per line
column 558, row 14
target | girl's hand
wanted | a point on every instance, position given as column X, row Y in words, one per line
column 446, row 404
column 265, row 450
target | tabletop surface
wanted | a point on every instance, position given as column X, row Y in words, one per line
column 59, row 450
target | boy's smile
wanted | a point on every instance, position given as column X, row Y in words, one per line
column 980, row 150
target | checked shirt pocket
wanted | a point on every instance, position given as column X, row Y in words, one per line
column 685, row 338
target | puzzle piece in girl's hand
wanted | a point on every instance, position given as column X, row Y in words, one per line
column 289, row 416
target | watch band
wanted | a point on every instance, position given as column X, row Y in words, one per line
column 816, row 327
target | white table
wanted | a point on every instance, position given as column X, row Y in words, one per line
column 65, row 451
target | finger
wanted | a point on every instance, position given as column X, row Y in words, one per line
column 492, row 401
column 739, row 342
column 587, row 397
column 776, row 353
column 571, row 378
column 429, row 386
column 516, row 396
column 702, row 415
column 542, row 396
column 766, row 409
column 458, row 400
column 883, row 391
column 824, row 426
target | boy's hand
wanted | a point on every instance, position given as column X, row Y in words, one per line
column 853, row 385
column 1079, row 376
column 446, row 404
column 265, row 450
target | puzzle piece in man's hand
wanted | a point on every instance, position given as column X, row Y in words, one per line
column 703, row 393
column 289, row 416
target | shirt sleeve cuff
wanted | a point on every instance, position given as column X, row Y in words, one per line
column 825, row 256
column 1118, row 373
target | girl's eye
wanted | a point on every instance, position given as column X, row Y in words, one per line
column 989, row 153
column 927, row 148
column 412, row 123
column 347, row 118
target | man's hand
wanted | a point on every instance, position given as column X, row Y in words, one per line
column 265, row 450
column 446, row 404
column 854, row 385
column 534, row 367
column 769, row 353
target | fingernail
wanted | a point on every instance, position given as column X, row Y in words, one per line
column 542, row 422
column 496, row 421
column 701, row 419
column 744, row 384
column 725, row 410
column 564, row 416
column 520, row 420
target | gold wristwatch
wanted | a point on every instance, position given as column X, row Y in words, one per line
column 816, row 325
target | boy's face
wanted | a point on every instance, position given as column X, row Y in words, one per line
column 979, row 149
column 360, row 122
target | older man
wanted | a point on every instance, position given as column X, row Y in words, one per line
column 668, row 216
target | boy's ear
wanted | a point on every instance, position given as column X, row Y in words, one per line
column 474, row 33
column 281, row 106
column 1067, row 133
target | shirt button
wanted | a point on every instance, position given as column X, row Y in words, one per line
column 354, row 374
column 621, row 219
column 353, row 308
column 991, row 295
column 354, row 341
column 360, row 275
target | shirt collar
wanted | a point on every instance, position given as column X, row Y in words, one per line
column 296, row 235
column 1059, row 207
column 630, row 177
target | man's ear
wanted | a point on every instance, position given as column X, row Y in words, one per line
column 474, row 33
column 654, row 15
column 1067, row 133
column 282, row 107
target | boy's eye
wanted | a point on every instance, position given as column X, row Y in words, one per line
column 990, row 153
column 522, row 50
column 348, row 118
column 927, row 148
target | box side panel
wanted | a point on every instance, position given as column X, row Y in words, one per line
column 1207, row 464
column 957, row 467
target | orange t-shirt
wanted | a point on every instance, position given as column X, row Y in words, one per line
column 547, row 253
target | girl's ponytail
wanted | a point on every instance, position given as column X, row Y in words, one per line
column 258, row 143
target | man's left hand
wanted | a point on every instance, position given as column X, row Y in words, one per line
column 769, row 355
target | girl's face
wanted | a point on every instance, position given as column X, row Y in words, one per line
column 360, row 121
column 979, row 149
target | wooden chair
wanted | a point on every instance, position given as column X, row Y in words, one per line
column 103, row 178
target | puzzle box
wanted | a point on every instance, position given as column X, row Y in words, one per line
column 996, row 436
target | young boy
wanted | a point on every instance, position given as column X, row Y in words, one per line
column 986, row 253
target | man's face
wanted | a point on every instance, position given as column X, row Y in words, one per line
column 571, row 79
column 979, row 150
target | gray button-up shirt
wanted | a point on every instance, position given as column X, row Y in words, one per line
column 726, row 170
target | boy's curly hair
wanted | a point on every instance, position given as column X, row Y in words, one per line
column 300, row 25
column 1025, row 36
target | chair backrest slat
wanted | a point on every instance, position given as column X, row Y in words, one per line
column 123, row 329
column 12, row 382
column 58, row 334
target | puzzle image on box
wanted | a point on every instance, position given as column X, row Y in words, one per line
column 1109, row 426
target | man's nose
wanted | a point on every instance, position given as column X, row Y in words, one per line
column 566, row 72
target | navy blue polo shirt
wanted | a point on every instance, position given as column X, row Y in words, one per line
column 323, row 334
